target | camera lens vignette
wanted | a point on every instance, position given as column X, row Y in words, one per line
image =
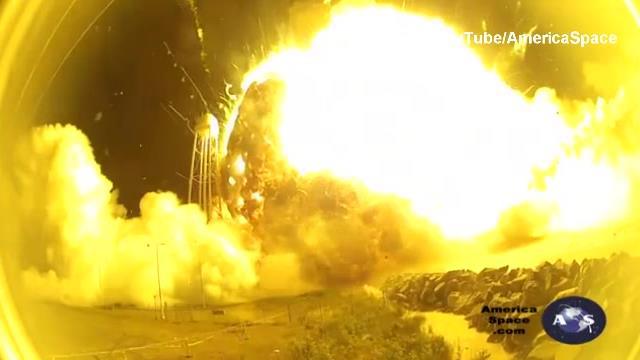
column 308, row 179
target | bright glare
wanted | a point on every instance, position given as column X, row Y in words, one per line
column 400, row 103
column 587, row 193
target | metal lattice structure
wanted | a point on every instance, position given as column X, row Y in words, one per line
column 204, row 187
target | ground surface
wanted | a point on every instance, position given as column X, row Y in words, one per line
column 355, row 325
column 611, row 282
column 258, row 330
column 327, row 325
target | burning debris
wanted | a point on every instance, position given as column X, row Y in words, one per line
column 399, row 103
column 363, row 154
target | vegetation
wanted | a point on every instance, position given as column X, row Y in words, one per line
column 482, row 355
column 365, row 328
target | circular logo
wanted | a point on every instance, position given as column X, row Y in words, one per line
column 573, row 320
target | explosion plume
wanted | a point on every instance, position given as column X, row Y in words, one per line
column 354, row 157
column 398, row 102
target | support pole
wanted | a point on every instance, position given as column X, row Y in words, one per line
column 162, row 315
column 193, row 164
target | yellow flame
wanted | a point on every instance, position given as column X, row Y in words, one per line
column 587, row 193
column 213, row 125
column 239, row 165
column 399, row 102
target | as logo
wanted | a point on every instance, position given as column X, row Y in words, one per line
column 574, row 320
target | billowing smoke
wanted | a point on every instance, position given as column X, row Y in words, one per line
column 338, row 232
column 598, row 171
column 606, row 135
column 290, row 227
column 79, row 248
column 343, row 234
column 521, row 226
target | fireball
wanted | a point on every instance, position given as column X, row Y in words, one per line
column 398, row 102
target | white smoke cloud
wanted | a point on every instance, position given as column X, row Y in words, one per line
column 78, row 247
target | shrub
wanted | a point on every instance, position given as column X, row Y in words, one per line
column 365, row 328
